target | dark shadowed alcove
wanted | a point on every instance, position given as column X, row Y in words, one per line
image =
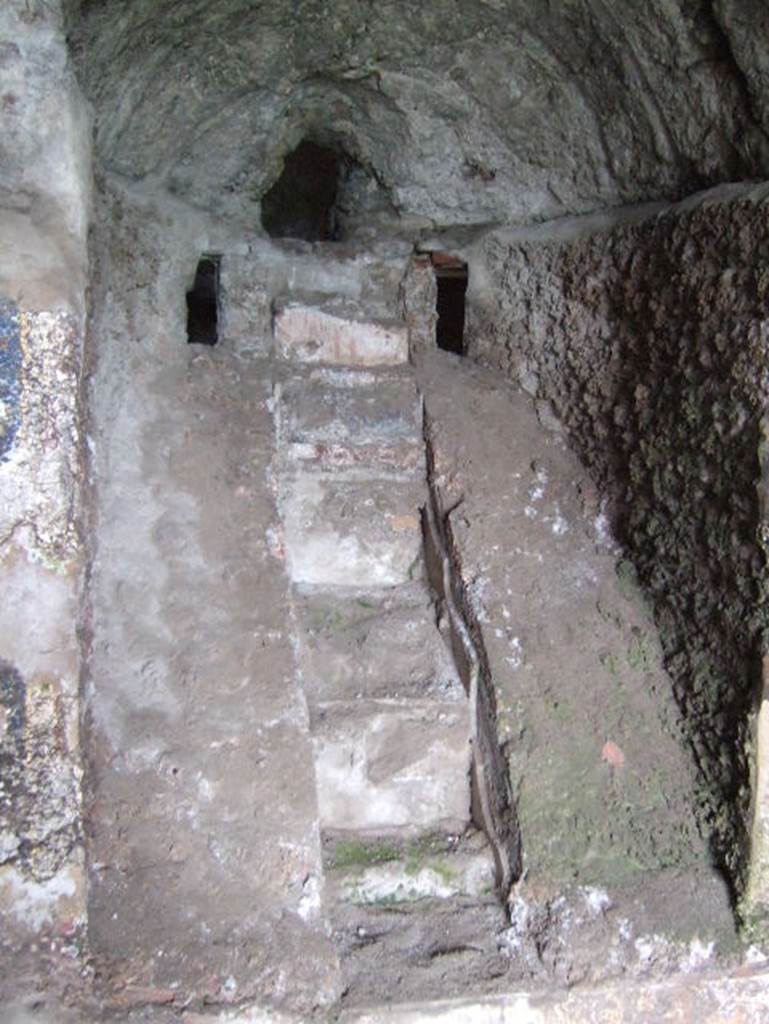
column 301, row 202
column 203, row 303
column 451, row 278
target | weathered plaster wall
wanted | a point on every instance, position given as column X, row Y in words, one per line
column 44, row 170
column 45, row 158
column 649, row 342
column 462, row 112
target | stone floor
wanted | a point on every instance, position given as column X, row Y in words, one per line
column 281, row 811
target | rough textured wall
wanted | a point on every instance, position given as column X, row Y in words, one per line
column 43, row 214
column 463, row 112
column 650, row 342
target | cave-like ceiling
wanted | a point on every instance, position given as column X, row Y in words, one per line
column 464, row 110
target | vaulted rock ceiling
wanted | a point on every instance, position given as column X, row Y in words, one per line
column 464, row 111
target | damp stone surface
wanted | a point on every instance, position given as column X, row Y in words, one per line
column 342, row 677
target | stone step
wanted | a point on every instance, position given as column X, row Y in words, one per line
column 678, row 997
column 309, row 273
column 372, row 407
column 373, row 644
column 372, row 421
column 392, row 766
column 395, row 953
column 352, row 533
column 387, row 871
column 338, row 334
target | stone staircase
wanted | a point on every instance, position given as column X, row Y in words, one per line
column 409, row 882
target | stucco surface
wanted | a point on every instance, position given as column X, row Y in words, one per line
column 460, row 112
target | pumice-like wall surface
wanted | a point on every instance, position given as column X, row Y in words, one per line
column 648, row 342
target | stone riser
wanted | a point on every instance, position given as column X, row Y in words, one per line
column 368, row 424
column 309, row 335
column 359, row 460
column 347, row 649
column 351, row 534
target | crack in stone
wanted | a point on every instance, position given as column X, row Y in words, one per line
column 496, row 805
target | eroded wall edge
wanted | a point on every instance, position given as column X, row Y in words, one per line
column 44, row 203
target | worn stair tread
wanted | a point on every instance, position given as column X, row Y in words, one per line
column 392, row 765
column 368, row 645
column 350, row 377
column 338, row 332
column 420, row 950
column 374, row 424
column 352, row 533
column 376, row 409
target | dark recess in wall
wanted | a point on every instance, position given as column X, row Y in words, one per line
column 203, row 303
column 451, row 278
column 301, row 202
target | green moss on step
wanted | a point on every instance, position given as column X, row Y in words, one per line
column 353, row 854
column 639, row 655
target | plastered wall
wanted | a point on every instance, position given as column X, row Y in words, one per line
column 44, row 170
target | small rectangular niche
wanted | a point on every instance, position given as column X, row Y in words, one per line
column 451, row 277
column 203, row 303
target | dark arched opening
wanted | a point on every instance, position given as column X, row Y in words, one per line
column 301, row 203
column 451, row 278
column 203, row 303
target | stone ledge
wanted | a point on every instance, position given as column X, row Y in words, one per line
column 689, row 999
column 739, row 996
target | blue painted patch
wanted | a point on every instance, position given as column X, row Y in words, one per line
column 10, row 375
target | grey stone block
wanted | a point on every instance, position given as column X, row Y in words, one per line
column 352, row 533
column 392, row 765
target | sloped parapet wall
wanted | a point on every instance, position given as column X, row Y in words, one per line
column 646, row 336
